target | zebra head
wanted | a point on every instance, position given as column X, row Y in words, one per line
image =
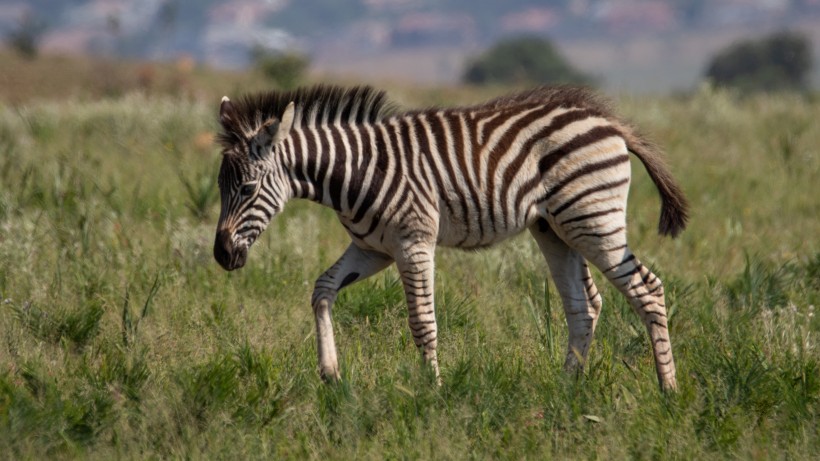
column 252, row 183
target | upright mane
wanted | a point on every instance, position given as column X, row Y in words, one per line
column 314, row 105
column 556, row 96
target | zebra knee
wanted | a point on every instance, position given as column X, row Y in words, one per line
column 650, row 286
column 596, row 302
column 581, row 311
column 650, row 303
column 593, row 295
column 653, row 284
column 323, row 291
column 581, row 322
column 424, row 338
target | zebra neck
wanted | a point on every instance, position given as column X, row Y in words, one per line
column 323, row 164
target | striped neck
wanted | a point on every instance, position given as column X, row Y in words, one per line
column 322, row 163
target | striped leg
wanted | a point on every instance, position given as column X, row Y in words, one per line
column 591, row 219
column 416, row 267
column 603, row 243
column 644, row 291
column 580, row 297
column 354, row 265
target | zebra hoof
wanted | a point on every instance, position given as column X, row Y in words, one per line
column 330, row 375
column 574, row 363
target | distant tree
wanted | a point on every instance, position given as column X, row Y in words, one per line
column 522, row 60
column 287, row 70
column 25, row 39
column 781, row 61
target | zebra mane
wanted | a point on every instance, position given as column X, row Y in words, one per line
column 557, row 96
column 314, row 105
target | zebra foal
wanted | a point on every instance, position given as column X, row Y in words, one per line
column 553, row 161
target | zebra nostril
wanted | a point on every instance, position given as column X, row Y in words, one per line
column 223, row 249
column 240, row 257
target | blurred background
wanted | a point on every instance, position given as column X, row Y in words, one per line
column 120, row 335
column 622, row 46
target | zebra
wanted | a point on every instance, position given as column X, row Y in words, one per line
column 551, row 160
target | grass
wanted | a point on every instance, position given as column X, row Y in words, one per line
column 121, row 337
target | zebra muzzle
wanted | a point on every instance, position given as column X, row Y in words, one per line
column 228, row 255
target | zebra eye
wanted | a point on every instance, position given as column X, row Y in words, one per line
column 247, row 189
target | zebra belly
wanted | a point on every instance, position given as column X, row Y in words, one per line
column 465, row 227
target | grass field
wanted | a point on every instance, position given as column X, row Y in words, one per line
column 120, row 337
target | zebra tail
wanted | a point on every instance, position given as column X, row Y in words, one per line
column 674, row 206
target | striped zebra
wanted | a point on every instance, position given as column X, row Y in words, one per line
column 553, row 160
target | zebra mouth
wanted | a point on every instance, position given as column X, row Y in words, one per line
column 228, row 255
column 240, row 257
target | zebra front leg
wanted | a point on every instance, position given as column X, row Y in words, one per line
column 354, row 265
column 417, row 271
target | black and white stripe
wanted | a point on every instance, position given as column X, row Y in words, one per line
column 551, row 160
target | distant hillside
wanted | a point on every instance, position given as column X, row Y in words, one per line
column 60, row 77
column 341, row 35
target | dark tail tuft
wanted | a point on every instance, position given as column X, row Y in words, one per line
column 674, row 206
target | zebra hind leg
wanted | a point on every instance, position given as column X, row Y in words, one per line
column 644, row 291
column 603, row 243
column 354, row 265
column 579, row 295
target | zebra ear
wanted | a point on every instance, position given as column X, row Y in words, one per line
column 262, row 142
column 272, row 132
column 285, row 124
column 227, row 113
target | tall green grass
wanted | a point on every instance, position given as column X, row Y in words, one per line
column 120, row 337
